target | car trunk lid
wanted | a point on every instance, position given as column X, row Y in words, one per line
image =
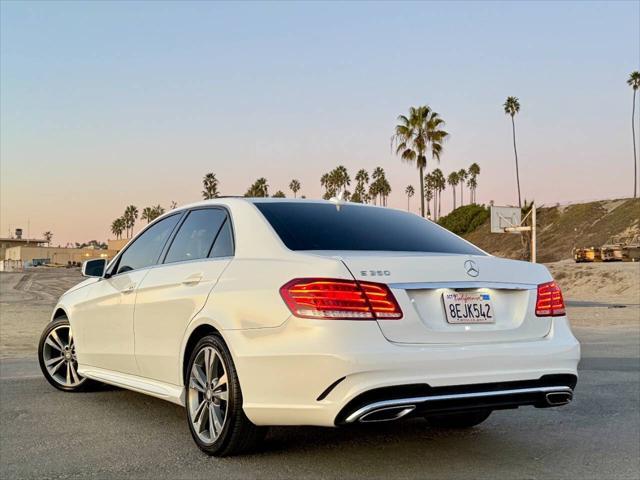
column 419, row 282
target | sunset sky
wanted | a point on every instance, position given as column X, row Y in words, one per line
column 105, row 104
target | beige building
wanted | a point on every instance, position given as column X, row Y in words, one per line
column 18, row 242
column 55, row 255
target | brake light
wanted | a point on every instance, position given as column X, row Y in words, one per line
column 323, row 298
column 550, row 302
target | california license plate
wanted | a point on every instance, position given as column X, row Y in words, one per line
column 463, row 307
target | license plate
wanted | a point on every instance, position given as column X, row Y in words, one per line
column 462, row 307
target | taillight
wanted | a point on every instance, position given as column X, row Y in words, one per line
column 549, row 302
column 324, row 298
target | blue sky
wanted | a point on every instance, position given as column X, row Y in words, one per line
column 109, row 103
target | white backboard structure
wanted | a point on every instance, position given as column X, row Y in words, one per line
column 505, row 217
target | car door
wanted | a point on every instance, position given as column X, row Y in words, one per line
column 171, row 294
column 103, row 322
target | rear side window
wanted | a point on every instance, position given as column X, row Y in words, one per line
column 223, row 246
column 146, row 249
column 322, row 226
column 196, row 235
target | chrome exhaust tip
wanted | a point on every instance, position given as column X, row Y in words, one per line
column 387, row 414
column 555, row 399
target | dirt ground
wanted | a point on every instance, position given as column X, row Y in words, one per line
column 598, row 295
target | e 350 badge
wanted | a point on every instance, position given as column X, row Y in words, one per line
column 375, row 273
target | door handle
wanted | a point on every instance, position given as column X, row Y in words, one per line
column 193, row 279
column 130, row 288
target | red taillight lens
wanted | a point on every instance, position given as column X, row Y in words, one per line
column 339, row 299
column 550, row 302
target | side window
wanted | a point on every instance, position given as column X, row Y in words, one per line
column 223, row 247
column 196, row 235
column 147, row 247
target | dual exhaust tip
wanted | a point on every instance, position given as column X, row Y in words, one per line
column 396, row 412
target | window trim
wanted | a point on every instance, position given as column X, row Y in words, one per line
column 163, row 256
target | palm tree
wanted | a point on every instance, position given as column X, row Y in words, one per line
column 440, row 184
column 48, row 236
column 634, row 82
column 173, row 205
column 147, row 214
column 327, row 183
column 429, row 188
column 130, row 216
column 474, row 171
column 210, row 185
column 453, row 180
column 379, row 186
column 360, row 194
column 294, row 186
column 410, row 192
column 279, row 194
column 157, row 211
column 117, row 227
column 258, row 189
column 340, row 179
column 462, row 176
column 415, row 135
column 511, row 107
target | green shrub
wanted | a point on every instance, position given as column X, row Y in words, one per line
column 465, row 219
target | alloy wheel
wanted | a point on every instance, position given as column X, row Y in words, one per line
column 208, row 395
column 59, row 355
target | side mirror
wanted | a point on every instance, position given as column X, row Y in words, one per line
column 94, row 268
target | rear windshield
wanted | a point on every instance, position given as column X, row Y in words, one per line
column 322, row 226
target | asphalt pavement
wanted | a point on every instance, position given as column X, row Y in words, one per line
column 115, row 433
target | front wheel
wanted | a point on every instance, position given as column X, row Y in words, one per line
column 57, row 357
column 214, row 402
column 458, row 420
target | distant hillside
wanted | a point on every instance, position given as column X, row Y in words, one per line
column 560, row 229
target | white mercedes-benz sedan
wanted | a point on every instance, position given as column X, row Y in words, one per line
column 258, row 312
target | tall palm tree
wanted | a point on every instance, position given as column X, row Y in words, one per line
column 453, row 180
column 210, row 185
column 415, row 135
column 634, row 82
column 410, row 192
column 440, row 184
column 429, row 189
column 511, row 107
column 130, row 216
column 294, row 186
column 474, row 171
column 462, row 176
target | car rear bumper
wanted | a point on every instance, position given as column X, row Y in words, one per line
column 392, row 403
column 318, row 372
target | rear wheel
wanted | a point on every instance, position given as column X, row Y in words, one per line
column 214, row 402
column 57, row 357
column 458, row 420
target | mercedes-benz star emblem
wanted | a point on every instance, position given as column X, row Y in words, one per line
column 471, row 268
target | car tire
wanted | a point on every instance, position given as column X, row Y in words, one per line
column 213, row 402
column 458, row 420
column 57, row 358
